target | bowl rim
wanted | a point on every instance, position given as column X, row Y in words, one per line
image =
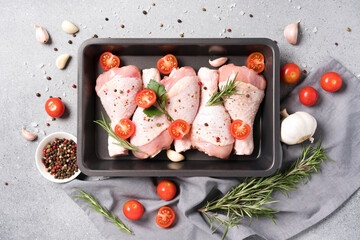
column 38, row 152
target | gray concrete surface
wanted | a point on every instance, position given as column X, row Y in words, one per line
column 33, row 208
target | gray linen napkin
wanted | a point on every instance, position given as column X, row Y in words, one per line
column 338, row 117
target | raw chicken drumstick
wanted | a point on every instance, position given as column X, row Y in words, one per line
column 182, row 100
column 151, row 135
column 246, row 105
column 116, row 89
column 210, row 130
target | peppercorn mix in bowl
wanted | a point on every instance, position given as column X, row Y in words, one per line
column 56, row 157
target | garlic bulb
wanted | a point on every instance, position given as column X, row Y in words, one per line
column 297, row 127
column 28, row 135
column 174, row 156
column 42, row 35
column 291, row 32
column 69, row 27
column 218, row 62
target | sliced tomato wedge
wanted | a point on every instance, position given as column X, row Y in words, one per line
column 167, row 63
column 239, row 129
column 145, row 98
column 165, row 217
column 178, row 129
column 109, row 61
column 125, row 128
column 256, row 62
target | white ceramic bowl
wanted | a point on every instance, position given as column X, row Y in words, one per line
column 39, row 154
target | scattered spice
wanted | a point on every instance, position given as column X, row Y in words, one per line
column 74, row 35
column 122, row 25
column 181, row 35
column 200, row 83
column 275, row 41
column 106, row 19
column 6, row 184
column 48, row 124
column 73, row 86
column 38, row 94
column 217, row 139
column 53, row 119
column 250, row 15
column 70, row 42
column 161, row 25
column 158, row 124
column 144, row 12
column 48, row 78
column 55, row 49
column 336, row 44
column 203, row 9
column 305, row 71
column 348, row 29
column 247, row 95
column 206, row 124
column 50, row 97
column 128, row 91
column 59, row 98
column 153, row 4
column 179, row 21
column 121, row 91
column 229, row 29
column 95, row 36
column 205, row 88
column 60, row 158
column 115, row 90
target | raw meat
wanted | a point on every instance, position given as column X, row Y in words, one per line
column 246, row 105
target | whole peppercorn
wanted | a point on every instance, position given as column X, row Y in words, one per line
column 181, row 35
column 6, row 184
column 73, row 86
column 48, row 78
column 122, row 25
column 106, row 19
column 38, row 94
column 55, row 49
column 179, row 21
column 229, row 29
column 203, row 9
column 70, row 42
column 144, row 12
column 250, row 15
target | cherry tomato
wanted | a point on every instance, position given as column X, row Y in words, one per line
column 167, row 63
column 166, row 190
column 290, row 73
column 178, row 129
column 239, row 129
column 331, row 81
column 133, row 210
column 125, row 128
column 308, row 96
column 145, row 98
column 165, row 217
column 109, row 61
column 54, row 107
column 256, row 62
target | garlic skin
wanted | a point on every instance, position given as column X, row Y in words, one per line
column 291, row 32
column 28, row 135
column 62, row 60
column 42, row 35
column 69, row 27
column 174, row 156
column 218, row 62
column 297, row 127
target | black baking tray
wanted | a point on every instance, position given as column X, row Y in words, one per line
column 93, row 158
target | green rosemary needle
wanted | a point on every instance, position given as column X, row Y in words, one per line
column 94, row 204
column 249, row 199
column 224, row 92
column 105, row 124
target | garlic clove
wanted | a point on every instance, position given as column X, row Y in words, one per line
column 28, row 135
column 69, row 27
column 174, row 156
column 42, row 35
column 62, row 60
column 291, row 32
column 218, row 62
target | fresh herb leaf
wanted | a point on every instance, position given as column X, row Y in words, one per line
column 160, row 100
column 106, row 124
column 224, row 92
column 152, row 111
column 249, row 199
column 94, row 204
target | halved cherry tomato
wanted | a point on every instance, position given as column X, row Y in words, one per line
column 308, row 96
column 109, row 61
column 54, row 107
column 290, row 73
column 165, row 217
column 256, row 62
column 178, row 129
column 167, row 63
column 125, row 128
column 239, row 129
column 166, row 190
column 331, row 81
column 133, row 210
column 145, row 98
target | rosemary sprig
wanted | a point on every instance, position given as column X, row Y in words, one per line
column 105, row 124
column 249, row 199
column 94, row 204
column 224, row 92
